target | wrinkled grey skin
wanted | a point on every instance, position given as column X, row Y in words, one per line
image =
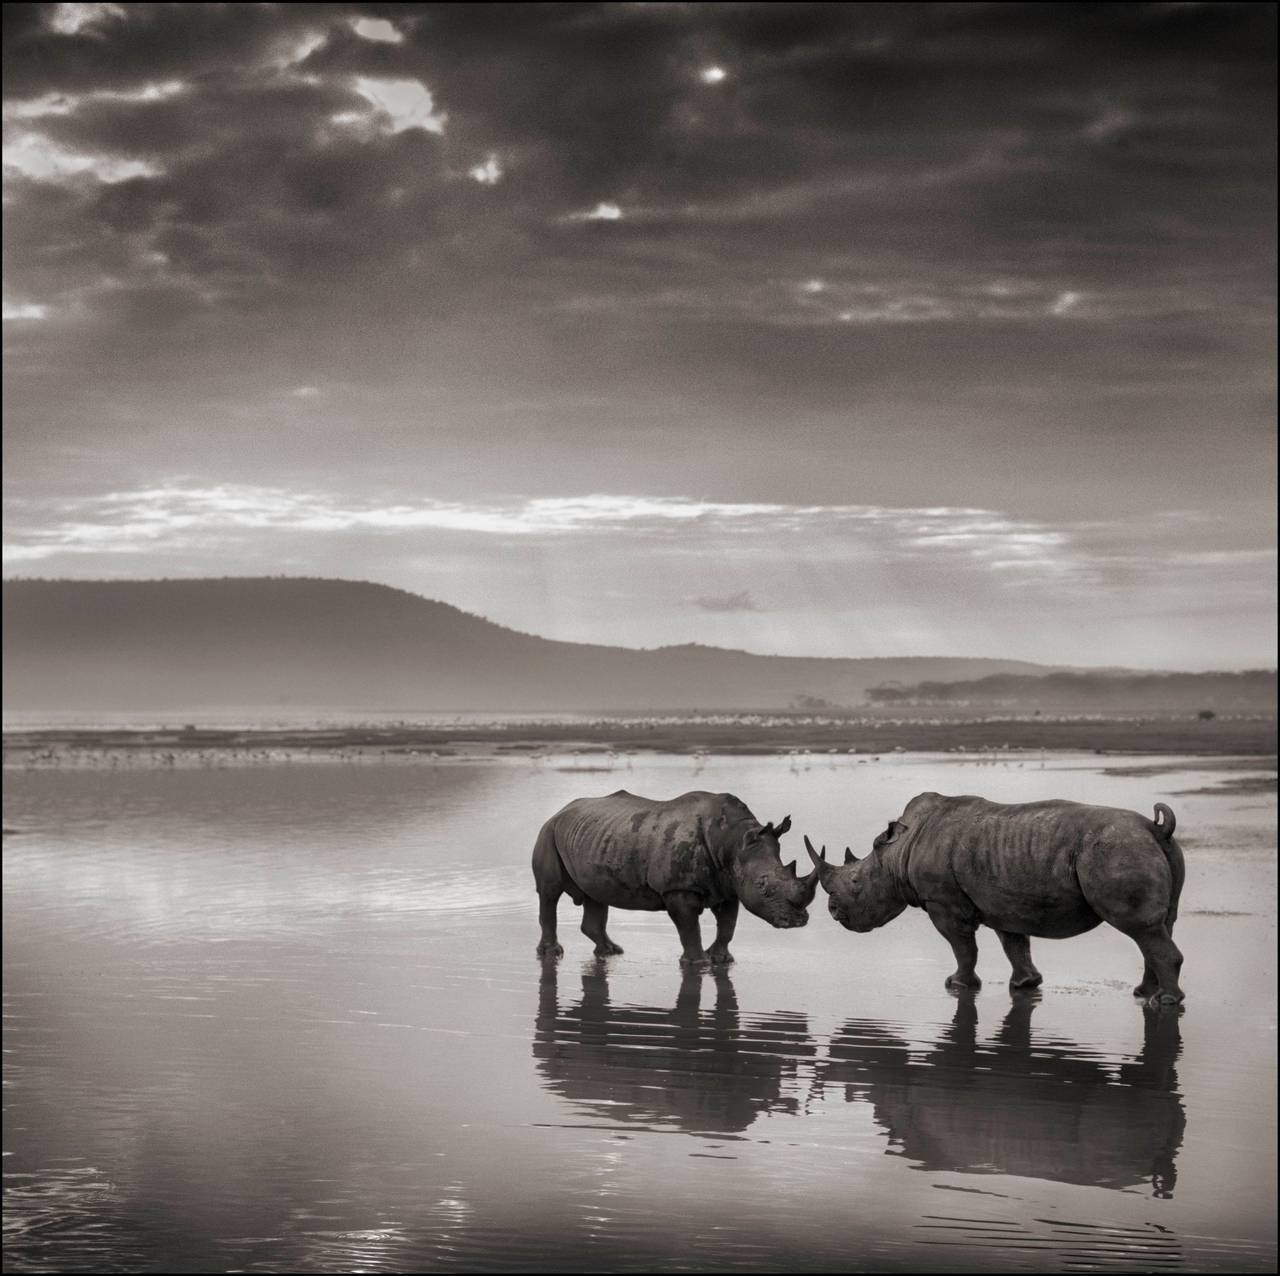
column 700, row 850
column 1046, row 869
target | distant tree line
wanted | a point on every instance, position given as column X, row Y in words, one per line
column 1251, row 690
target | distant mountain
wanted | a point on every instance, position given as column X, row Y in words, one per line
column 303, row 643
column 1252, row 690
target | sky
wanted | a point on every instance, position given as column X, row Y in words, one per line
column 846, row 330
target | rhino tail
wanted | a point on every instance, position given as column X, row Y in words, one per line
column 1162, row 826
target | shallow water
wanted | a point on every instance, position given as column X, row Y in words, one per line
column 290, row 1018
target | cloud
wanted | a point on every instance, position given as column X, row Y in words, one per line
column 378, row 30
column 184, row 513
column 1020, row 551
column 35, row 108
column 66, row 103
column 397, row 105
column 949, row 298
column 564, row 512
column 34, row 156
column 24, row 310
column 83, row 19
column 741, row 601
column 297, row 48
column 602, row 212
column 1113, row 120
column 1065, row 303
column 714, row 185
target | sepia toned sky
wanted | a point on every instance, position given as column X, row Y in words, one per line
column 810, row 329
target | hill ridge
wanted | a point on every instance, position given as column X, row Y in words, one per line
column 691, row 645
column 305, row 640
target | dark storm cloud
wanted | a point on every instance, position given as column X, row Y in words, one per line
column 1020, row 139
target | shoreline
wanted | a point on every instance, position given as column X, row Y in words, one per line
column 810, row 740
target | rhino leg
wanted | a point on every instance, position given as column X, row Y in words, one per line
column 1134, row 888
column 1150, row 984
column 958, row 929
column 683, row 908
column 1164, row 959
column 548, row 946
column 726, row 916
column 594, row 918
column 1017, row 948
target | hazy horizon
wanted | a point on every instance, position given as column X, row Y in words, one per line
column 822, row 330
column 928, row 655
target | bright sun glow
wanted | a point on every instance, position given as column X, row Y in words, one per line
column 489, row 173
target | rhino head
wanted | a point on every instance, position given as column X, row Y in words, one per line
column 767, row 887
column 862, row 893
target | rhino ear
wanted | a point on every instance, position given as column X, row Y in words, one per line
column 895, row 830
column 783, row 827
column 849, row 856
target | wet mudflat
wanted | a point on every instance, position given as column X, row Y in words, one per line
column 290, row 1018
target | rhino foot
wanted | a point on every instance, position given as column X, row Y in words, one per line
column 608, row 948
column 720, row 956
column 550, row 950
column 1163, row 1000
column 962, row 983
column 1033, row 980
column 698, row 962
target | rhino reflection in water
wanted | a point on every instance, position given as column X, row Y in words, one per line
column 1038, row 1108
column 699, row 1069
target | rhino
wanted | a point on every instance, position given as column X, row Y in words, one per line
column 1045, row 869
column 700, row 850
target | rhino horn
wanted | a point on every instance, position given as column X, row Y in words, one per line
column 849, row 856
column 790, row 868
column 820, row 866
column 819, row 858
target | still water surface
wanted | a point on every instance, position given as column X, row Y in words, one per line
column 290, row 1018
